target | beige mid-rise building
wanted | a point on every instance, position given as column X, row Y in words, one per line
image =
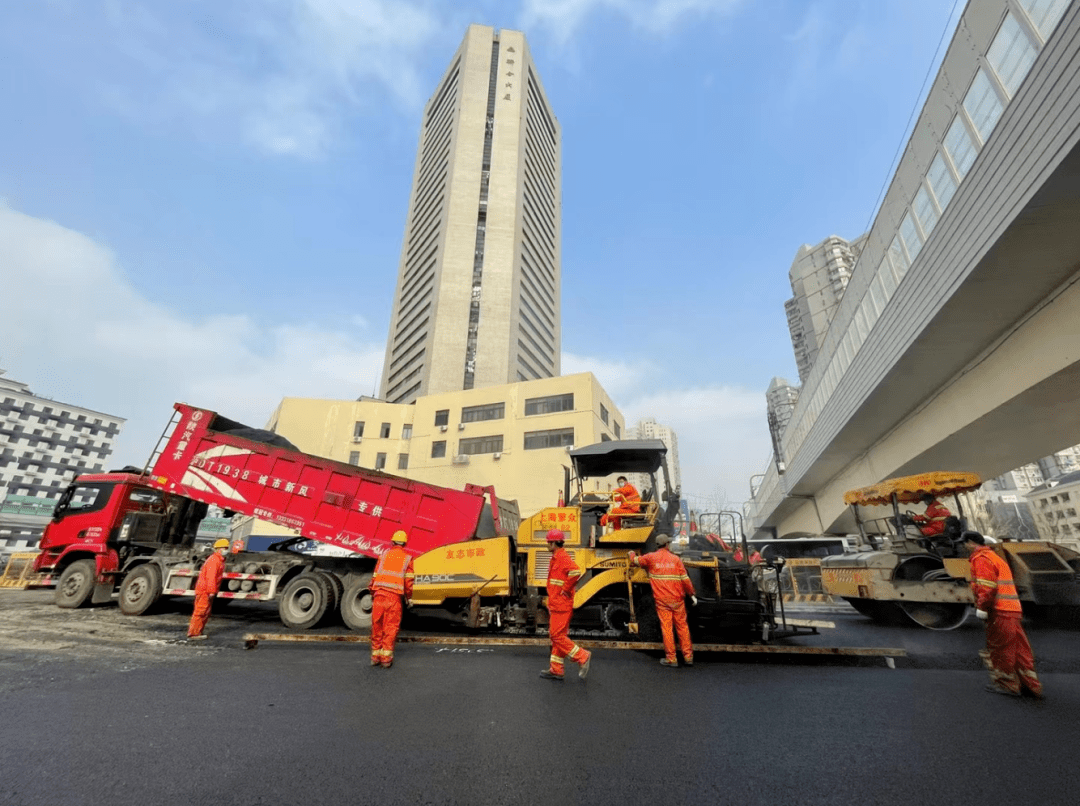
column 514, row 436
column 477, row 298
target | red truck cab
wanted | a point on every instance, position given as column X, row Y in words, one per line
column 81, row 546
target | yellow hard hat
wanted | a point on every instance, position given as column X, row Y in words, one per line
column 399, row 537
column 221, row 544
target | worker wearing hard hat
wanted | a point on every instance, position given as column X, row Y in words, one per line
column 206, row 588
column 670, row 586
column 392, row 581
column 563, row 575
column 1008, row 653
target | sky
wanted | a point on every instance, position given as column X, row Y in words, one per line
column 204, row 200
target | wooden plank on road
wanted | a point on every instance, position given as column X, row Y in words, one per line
column 251, row 640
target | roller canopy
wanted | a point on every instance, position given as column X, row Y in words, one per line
column 618, row 456
column 909, row 489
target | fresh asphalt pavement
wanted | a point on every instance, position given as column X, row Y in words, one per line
column 154, row 721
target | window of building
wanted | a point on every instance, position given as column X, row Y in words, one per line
column 476, row 414
column 1064, row 497
column 552, row 438
column 549, row 405
column 941, row 181
column 354, row 457
column 380, row 461
column 603, row 414
column 618, row 430
column 438, row 449
column 403, row 461
column 899, row 259
column 1045, row 14
column 384, row 431
column 1066, row 529
column 475, row 445
column 605, row 438
column 1053, row 499
column 960, row 147
column 1070, row 512
column 442, row 417
column 910, row 236
column 925, row 212
column 983, row 105
column 358, row 430
column 406, row 431
column 1011, row 55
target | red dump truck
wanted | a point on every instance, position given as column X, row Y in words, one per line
column 136, row 529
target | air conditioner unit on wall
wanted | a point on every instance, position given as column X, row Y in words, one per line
column 461, row 426
column 442, row 427
column 496, row 455
column 357, row 440
column 461, row 459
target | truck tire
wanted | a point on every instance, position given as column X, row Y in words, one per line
column 356, row 603
column 337, row 591
column 75, row 585
column 304, row 601
column 140, row 590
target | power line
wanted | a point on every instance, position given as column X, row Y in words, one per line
column 911, row 117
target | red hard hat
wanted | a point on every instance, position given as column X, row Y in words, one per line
column 555, row 535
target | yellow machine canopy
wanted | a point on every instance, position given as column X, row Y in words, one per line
column 909, row 489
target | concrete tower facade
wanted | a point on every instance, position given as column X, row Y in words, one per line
column 477, row 299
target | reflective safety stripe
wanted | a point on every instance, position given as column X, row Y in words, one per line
column 674, row 577
column 557, row 582
column 990, row 583
column 576, row 572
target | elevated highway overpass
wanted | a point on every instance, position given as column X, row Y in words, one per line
column 957, row 343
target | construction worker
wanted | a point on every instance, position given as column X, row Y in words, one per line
column 628, row 500
column 1008, row 654
column 206, row 588
column 563, row 575
column 670, row 586
column 755, row 557
column 392, row 581
column 933, row 522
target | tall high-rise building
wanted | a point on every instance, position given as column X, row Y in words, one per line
column 648, row 428
column 477, row 299
column 819, row 275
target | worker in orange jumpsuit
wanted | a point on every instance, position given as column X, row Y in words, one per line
column 933, row 522
column 626, row 495
column 392, row 581
column 206, row 588
column 1008, row 653
column 670, row 586
column 755, row 557
column 563, row 575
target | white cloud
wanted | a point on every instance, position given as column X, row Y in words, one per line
column 565, row 17
column 281, row 73
column 73, row 327
column 723, row 436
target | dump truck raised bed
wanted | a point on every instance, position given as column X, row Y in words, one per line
column 136, row 528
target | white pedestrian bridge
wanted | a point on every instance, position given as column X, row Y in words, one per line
column 957, row 343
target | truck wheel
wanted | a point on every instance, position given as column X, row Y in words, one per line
column 304, row 601
column 76, row 584
column 337, row 591
column 356, row 603
column 140, row 589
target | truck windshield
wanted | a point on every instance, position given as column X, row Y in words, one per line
column 82, row 498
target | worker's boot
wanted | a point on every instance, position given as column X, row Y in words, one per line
column 547, row 674
column 374, row 661
column 688, row 661
column 196, row 638
column 583, row 672
column 666, row 662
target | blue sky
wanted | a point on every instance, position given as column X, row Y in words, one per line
column 204, row 200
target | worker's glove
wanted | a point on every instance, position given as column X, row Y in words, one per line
column 982, row 615
column 693, row 600
column 408, row 602
column 631, row 557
